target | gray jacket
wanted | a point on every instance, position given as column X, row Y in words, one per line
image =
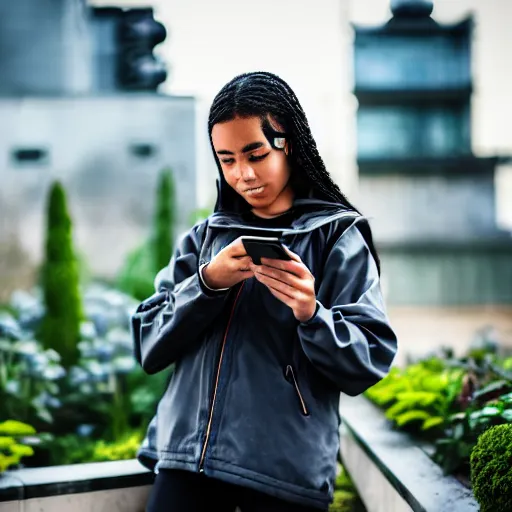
column 254, row 395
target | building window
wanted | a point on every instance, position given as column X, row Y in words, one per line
column 396, row 131
column 143, row 150
column 27, row 156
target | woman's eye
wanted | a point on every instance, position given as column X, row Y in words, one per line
column 257, row 158
column 227, row 161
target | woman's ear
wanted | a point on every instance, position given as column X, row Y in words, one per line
column 287, row 148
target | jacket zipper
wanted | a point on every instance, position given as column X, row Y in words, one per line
column 290, row 374
column 210, row 416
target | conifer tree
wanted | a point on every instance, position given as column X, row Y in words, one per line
column 60, row 328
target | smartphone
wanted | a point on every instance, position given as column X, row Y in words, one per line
column 258, row 247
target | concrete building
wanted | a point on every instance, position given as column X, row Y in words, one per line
column 63, row 115
column 444, row 228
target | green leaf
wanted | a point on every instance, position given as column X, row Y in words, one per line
column 397, row 409
column 16, row 428
column 5, row 345
column 486, row 412
column 506, row 398
column 44, row 414
column 22, row 451
column 458, row 431
column 492, row 388
column 6, row 443
column 436, row 383
column 410, row 416
column 432, row 422
column 423, row 398
column 507, row 415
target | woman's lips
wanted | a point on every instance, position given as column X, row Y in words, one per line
column 255, row 191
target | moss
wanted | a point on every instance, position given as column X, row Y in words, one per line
column 343, row 481
column 346, row 498
column 491, row 469
column 343, row 502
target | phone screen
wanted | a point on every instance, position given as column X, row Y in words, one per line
column 263, row 247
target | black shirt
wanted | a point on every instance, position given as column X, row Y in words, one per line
column 283, row 221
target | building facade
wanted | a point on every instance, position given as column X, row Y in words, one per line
column 433, row 191
column 79, row 102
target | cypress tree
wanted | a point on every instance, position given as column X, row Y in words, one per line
column 60, row 328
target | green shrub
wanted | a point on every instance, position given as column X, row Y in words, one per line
column 163, row 221
column 12, row 448
column 419, row 397
column 74, row 449
column 136, row 277
column 491, row 469
column 68, row 449
column 453, row 449
column 124, row 449
column 144, row 392
column 60, row 328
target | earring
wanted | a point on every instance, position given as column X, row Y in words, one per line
column 279, row 142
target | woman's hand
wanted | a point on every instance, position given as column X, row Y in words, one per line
column 228, row 267
column 291, row 282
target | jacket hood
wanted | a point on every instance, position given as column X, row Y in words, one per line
column 310, row 214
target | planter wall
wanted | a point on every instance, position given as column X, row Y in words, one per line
column 120, row 486
column 391, row 472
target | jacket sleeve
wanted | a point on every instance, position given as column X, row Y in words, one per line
column 349, row 339
column 169, row 322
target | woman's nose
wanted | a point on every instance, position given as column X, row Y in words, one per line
column 247, row 172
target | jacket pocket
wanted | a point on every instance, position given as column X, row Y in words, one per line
column 291, row 378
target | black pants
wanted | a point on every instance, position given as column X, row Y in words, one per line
column 184, row 491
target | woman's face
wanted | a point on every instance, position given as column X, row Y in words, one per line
column 258, row 172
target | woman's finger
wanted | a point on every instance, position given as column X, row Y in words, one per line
column 244, row 263
column 237, row 249
column 275, row 284
column 292, row 267
column 282, row 297
column 280, row 275
column 292, row 255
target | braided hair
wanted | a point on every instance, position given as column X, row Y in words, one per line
column 265, row 95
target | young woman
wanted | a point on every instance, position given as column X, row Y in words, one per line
column 261, row 351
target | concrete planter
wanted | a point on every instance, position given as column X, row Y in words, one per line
column 391, row 472
column 120, row 486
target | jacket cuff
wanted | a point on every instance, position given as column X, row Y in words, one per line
column 206, row 289
column 314, row 318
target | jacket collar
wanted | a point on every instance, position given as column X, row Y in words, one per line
column 311, row 214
